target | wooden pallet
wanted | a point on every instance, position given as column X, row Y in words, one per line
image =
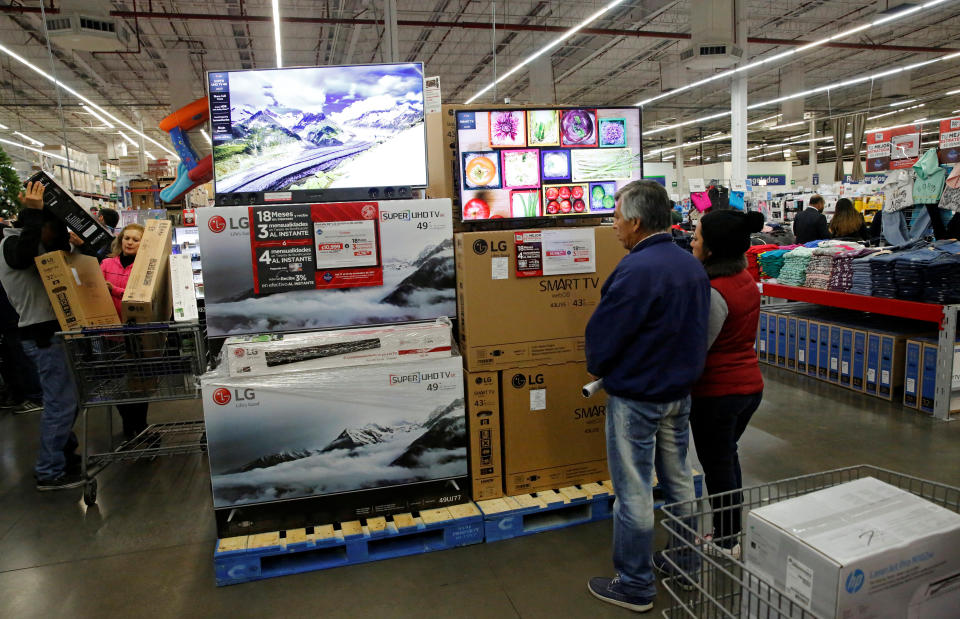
column 255, row 557
column 526, row 514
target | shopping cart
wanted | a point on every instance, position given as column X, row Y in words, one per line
column 137, row 363
column 724, row 587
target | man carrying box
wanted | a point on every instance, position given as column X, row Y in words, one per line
column 37, row 232
column 647, row 340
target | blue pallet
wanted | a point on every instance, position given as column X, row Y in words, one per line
column 266, row 555
column 516, row 516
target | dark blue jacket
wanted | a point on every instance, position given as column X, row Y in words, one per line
column 647, row 338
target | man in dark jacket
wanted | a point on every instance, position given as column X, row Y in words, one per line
column 647, row 340
column 38, row 232
column 811, row 223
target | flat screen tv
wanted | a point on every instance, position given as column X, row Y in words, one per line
column 318, row 134
column 546, row 162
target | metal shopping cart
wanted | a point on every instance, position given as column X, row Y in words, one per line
column 137, row 363
column 724, row 587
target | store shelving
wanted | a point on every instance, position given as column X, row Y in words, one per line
column 945, row 316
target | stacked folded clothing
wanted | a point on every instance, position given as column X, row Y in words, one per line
column 771, row 262
column 821, row 266
column 841, row 277
column 941, row 280
column 882, row 275
column 794, row 271
column 752, row 266
column 908, row 271
column 861, row 280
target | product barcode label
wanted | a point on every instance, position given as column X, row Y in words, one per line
column 911, row 384
column 885, row 376
column 803, row 355
column 845, row 367
column 833, row 363
column 871, row 376
column 151, row 272
column 763, row 346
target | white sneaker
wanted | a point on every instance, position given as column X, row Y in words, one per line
column 719, row 551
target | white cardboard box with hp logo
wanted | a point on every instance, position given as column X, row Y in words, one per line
column 857, row 550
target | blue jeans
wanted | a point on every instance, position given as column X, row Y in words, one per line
column 641, row 436
column 59, row 407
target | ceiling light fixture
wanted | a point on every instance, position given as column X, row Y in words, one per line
column 76, row 94
column 763, row 120
column 102, row 120
column 128, row 139
column 36, row 150
column 206, row 137
column 833, row 86
column 791, row 52
column 29, row 139
column 147, row 153
column 566, row 35
column 953, row 92
column 901, row 102
column 276, row 31
column 2, row 126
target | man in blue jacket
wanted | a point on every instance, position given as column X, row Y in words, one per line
column 647, row 340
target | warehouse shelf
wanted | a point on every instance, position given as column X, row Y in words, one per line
column 930, row 312
column 944, row 315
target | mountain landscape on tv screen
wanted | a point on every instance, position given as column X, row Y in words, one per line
column 323, row 128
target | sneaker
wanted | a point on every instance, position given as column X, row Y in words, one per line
column 63, row 482
column 611, row 591
column 716, row 550
column 27, row 407
column 666, row 570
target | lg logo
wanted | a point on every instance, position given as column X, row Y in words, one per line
column 221, row 396
column 217, row 224
column 519, row 380
column 479, row 247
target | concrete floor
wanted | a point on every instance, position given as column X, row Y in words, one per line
column 146, row 548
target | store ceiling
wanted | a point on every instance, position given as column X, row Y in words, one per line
column 618, row 61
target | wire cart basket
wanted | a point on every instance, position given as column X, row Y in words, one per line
column 721, row 585
column 137, row 363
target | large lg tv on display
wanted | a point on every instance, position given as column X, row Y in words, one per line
column 318, row 134
column 546, row 162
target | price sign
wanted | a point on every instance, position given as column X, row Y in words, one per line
column 697, row 185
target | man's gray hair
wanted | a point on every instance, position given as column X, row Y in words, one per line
column 647, row 201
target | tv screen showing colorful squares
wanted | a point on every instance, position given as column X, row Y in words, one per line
column 546, row 162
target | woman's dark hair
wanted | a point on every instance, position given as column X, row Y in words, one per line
column 847, row 221
column 726, row 236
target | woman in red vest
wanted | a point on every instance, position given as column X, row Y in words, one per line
column 731, row 387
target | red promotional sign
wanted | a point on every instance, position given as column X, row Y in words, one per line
column 950, row 140
column 303, row 247
column 893, row 149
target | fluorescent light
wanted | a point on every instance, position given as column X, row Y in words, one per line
column 566, row 35
column 763, row 120
column 102, row 120
column 2, row 126
column 36, row 150
column 206, row 137
column 147, row 153
column 29, row 139
column 901, row 103
column 954, row 92
column 76, row 94
column 790, row 52
column 684, row 124
column 276, row 31
column 128, row 139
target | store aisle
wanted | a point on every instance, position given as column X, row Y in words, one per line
column 146, row 549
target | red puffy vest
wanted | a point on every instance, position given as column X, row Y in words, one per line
column 732, row 367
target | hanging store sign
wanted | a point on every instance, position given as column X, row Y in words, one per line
column 950, row 140
column 893, row 149
column 768, row 179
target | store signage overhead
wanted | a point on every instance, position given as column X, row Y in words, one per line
column 950, row 140
column 768, row 179
column 893, row 149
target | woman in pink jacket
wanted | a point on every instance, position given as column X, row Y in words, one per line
column 116, row 270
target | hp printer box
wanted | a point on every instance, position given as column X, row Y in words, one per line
column 863, row 549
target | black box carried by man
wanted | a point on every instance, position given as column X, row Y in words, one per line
column 65, row 207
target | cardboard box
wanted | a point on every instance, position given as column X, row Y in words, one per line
column 147, row 297
column 335, row 432
column 77, row 290
column 552, row 436
column 61, row 203
column 846, row 356
column 772, row 325
column 803, row 345
column 928, row 380
column 911, row 374
column 860, row 549
column 508, row 321
column 782, row 340
column 893, row 351
column 762, row 336
column 182, row 288
column 484, row 428
column 859, row 359
column 823, row 351
column 143, row 194
column 813, row 347
column 262, row 355
column 792, row 343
